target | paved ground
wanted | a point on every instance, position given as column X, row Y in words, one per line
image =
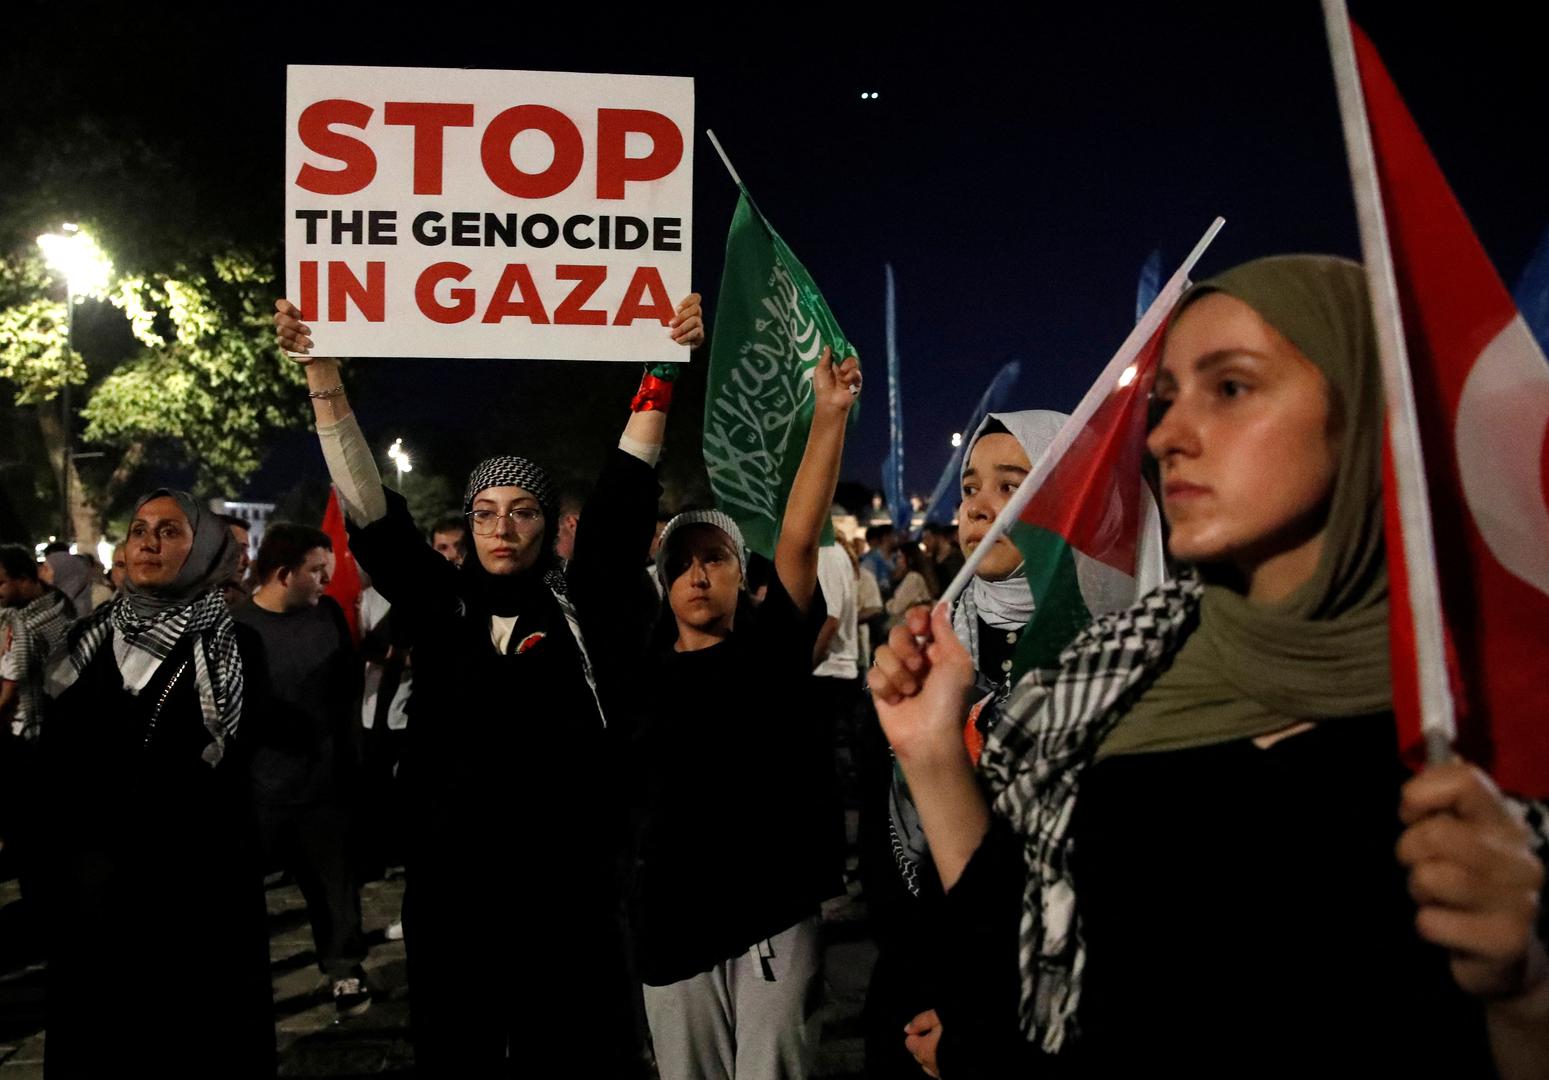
column 314, row 1043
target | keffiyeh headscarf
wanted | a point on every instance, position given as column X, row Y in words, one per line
column 147, row 624
column 505, row 594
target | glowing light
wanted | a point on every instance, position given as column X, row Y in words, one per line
column 1127, row 376
column 400, row 457
column 77, row 256
column 105, row 552
column 957, row 439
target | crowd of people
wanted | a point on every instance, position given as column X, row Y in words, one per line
column 616, row 748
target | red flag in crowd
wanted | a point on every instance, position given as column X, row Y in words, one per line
column 345, row 586
column 1481, row 388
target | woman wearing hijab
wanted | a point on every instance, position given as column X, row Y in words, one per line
column 72, row 578
column 516, row 967
column 988, row 619
column 1185, row 854
column 158, row 936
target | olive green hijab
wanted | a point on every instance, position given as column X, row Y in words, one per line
column 1251, row 668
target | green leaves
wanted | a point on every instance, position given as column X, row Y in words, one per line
column 200, row 378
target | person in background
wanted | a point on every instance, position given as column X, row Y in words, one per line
column 881, row 542
column 70, row 577
column 914, row 581
column 571, row 501
column 119, row 572
column 238, row 587
column 303, row 763
column 940, row 543
column 449, row 538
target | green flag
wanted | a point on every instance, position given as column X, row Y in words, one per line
column 771, row 325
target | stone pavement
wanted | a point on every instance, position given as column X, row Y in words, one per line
column 315, row 1043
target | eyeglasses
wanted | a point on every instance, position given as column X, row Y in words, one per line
column 487, row 522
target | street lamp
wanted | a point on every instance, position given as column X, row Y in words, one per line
column 86, row 269
column 400, row 458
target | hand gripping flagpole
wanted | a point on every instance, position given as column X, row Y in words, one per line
column 1112, row 377
column 1414, row 504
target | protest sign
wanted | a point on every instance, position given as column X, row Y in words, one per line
column 454, row 213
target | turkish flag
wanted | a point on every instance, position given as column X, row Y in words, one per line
column 1481, row 389
column 345, row 585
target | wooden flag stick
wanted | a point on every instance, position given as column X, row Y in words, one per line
column 1414, row 504
column 1113, row 376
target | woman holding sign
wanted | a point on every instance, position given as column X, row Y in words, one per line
column 735, row 781
column 1187, row 852
column 510, row 917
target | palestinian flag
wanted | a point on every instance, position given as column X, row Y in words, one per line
column 1090, row 536
column 1481, row 388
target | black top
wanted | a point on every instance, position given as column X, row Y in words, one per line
column 1243, row 912
column 152, row 867
column 737, row 841
column 505, row 760
column 312, row 680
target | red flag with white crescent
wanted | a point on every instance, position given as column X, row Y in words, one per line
column 1481, row 388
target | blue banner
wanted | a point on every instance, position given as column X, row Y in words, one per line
column 893, row 493
column 1150, row 283
column 942, row 507
column 1532, row 294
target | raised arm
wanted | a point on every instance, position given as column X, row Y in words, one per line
column 613, row 537
column 920, row 683
column 350, row 462
column 834, row 390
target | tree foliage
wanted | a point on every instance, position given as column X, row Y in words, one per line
column 202, row 380
column 208, row 376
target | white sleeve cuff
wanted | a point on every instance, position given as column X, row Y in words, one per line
column 650, row 453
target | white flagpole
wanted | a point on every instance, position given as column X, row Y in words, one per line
column 724, row 159
column 1112, row 377
column 1436, row 706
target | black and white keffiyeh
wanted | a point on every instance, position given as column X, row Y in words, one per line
column 141, row 645
column 512, row 471
column 1043, row 737
column 1045, row 734
column 146, row 624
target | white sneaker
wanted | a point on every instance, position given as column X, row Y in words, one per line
column 351, row 996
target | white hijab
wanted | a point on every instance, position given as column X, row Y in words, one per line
column 1007, row 604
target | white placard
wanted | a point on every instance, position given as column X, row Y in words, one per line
column 515, row 214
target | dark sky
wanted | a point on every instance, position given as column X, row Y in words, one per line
column 1015, row 173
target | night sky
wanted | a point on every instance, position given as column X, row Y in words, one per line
column 1015, row 173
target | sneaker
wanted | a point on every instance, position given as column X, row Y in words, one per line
column 394, row 931
column 351, row 996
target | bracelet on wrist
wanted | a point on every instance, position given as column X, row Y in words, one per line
column 331, row 392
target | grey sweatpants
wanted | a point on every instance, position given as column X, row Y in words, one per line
column 734, row 1021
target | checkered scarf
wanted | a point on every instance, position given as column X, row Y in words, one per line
column 142, row 642
column 510, row 471
column 1044, row 736
column 36, row 633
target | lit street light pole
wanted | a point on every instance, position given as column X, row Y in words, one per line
column 400, row 458
column 85, row 268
